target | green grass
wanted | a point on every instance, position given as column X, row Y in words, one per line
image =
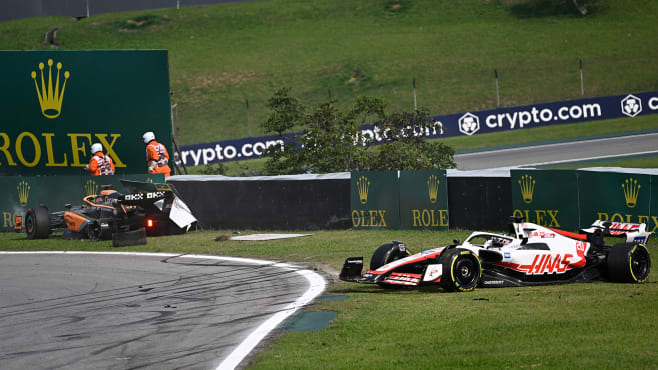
column 224, row 55
column 598, row 325
column 651, row 162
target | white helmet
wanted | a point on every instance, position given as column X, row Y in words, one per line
column 96, row 147
column 148, row 136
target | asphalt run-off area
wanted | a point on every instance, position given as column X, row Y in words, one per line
column 609, row 149
column 97, row 310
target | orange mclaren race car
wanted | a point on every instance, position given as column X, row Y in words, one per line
column 150, row 209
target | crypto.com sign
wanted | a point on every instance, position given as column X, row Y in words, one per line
column 465, row 123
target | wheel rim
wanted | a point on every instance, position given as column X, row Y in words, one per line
column 639, row 263
column 94, row 231
column 29, row 224
column 465, row 271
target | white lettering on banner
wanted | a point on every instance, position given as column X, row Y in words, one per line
column 219, row 153
column 230, row 152
column 653, row 103
column 208, row 155
column 490, row 121
column 195, row 158
column 521, row 119
column 546, row 115
column 512, row 118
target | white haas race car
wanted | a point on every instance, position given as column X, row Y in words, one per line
column 531, row 255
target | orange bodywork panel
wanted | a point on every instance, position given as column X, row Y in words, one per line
column 74, row 221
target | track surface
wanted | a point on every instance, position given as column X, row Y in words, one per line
column 113, row 311
column 560, row 152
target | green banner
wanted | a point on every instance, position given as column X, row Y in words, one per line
column 374, row 200
column 55, row 104
column 612, row 196
column 424, row 200
column 546, row 197
column 21, row 193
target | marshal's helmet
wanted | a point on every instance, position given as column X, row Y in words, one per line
column 148, row 136
column 96, row 147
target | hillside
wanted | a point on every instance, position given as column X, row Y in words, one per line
column 223, row 56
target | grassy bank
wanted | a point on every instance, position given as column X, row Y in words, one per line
column 225, row 56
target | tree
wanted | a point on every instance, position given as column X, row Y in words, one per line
column 333, row 140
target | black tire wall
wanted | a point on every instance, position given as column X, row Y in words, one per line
column 474, row 203
column 479, row 203
column 269, row 204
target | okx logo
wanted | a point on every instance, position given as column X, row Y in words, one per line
column 527, row 185
column 631, row 191
column 50, row 99
column 631, row 106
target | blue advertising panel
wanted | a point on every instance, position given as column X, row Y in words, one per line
column 458, row 124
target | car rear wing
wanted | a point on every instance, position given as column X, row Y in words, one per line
column 633, row 233
column 161, row 196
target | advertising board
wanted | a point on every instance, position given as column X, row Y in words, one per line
column 546, row 197
column 458, row 124
column 616, row 197
column 55, row 104
column 374, row 200
column 424, row 200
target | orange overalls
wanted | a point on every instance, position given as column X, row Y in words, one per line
column 158, row 153
column 101, row 164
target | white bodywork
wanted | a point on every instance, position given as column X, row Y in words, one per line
column 526, row 253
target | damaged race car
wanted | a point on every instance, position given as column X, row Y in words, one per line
column 530, row 255
column 126, row 219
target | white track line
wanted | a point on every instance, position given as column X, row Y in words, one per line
column 316, row 282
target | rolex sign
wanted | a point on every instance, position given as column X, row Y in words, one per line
column 374, row 200
column 617, row 197
column 424, row 200
column 55, row 104
column 546, row 197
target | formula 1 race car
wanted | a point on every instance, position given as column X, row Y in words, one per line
column 150, row 209
column 530, row 255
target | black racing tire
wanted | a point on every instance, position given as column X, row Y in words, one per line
column 628, row 263
column 386, row 253
column 462, row 270
column 37, row 223
column 126, row 238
